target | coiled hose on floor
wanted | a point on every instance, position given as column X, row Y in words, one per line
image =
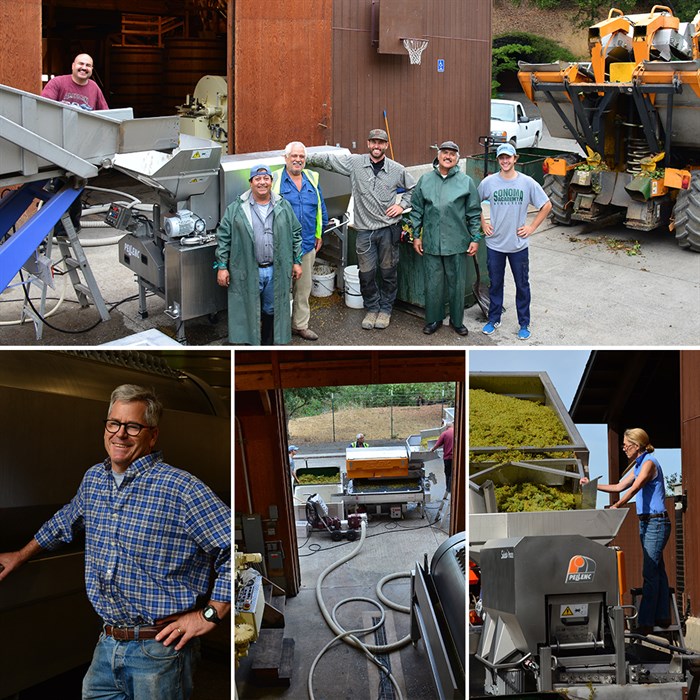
column 348, row 636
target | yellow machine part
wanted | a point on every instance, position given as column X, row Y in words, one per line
column 557, row 166
column 621, row 574
column 621, row 72
column 377, row 468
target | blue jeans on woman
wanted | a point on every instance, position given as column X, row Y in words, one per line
column 143, row 669
column 520, row 267
column 654, row 534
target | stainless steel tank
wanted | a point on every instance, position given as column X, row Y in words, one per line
column 438, row 614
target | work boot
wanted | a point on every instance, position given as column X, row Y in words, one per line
column 267, row 335
column 305, row 333
column 383, row 320
column 369, row 320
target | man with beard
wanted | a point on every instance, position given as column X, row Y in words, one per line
column 375, row 181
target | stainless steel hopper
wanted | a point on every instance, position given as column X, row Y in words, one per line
column 601, row 526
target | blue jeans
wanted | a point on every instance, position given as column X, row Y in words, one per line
column 654, row 534
column 139, row 670
column 267, row 289
column 375, row 248
column 520, row 267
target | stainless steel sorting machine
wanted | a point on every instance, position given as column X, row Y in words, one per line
column 49, row 151
column 172, row 253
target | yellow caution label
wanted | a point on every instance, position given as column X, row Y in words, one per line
column 568, row 612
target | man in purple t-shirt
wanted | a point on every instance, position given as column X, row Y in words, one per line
column 76, row 89
column 446, row 441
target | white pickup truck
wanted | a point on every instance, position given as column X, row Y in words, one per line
column 510, row 123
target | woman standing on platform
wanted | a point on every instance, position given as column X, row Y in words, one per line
column 646, row 482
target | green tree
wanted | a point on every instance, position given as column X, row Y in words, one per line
column 504, row 58
column 308, row 401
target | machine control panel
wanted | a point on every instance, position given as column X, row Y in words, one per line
column 247, row 595
column 118, row 216
column 250, row 601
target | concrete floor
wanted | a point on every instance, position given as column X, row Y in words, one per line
column 344, row 673
column 583, row 293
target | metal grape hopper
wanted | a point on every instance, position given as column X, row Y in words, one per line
column 550, row 586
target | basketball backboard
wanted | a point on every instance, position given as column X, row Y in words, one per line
column 400, row 19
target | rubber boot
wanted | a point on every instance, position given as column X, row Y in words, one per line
column 267, row 336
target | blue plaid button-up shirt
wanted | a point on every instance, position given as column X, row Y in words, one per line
column 149, row 544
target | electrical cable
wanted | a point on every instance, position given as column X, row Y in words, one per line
column 43, row 318
column 61, row 299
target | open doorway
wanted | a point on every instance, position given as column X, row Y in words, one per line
column 359, row 551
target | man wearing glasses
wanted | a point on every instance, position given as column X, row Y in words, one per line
column 153, row 535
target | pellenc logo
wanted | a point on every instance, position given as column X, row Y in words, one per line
column 581, row 569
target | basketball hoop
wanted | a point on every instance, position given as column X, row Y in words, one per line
column 415, row 48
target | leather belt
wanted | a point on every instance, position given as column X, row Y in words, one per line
column 264, row 264
column 129, row 634
column 648, row 516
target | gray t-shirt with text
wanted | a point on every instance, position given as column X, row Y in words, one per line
column 509, row 201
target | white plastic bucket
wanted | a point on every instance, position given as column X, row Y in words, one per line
column 322, row 285
column 353, row 296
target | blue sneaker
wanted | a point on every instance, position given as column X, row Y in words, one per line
column 524, row 333
column 490, row 327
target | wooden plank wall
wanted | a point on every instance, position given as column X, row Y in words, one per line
column 628, row 537
column 690, row 444
column 282, row 59
column 423, row 107
column 20, row 44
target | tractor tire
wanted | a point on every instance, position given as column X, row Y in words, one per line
column 556, row 187
column 686, row 213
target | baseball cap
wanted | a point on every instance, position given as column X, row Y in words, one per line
column 505, row 149
column 448, row 146
column 293, row 447
column 378, row 134
column 259, row 169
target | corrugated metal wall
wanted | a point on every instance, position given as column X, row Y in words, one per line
column 282, row 58
column 424, row 107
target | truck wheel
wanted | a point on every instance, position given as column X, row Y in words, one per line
column 687, row 215
column 556, row 187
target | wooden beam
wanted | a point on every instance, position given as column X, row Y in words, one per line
column 290, row 369
column 143, row 7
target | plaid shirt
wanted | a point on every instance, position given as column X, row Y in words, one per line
column 149, row 543
column 372, row 194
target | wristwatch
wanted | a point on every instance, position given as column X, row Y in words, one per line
column 210, row 615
